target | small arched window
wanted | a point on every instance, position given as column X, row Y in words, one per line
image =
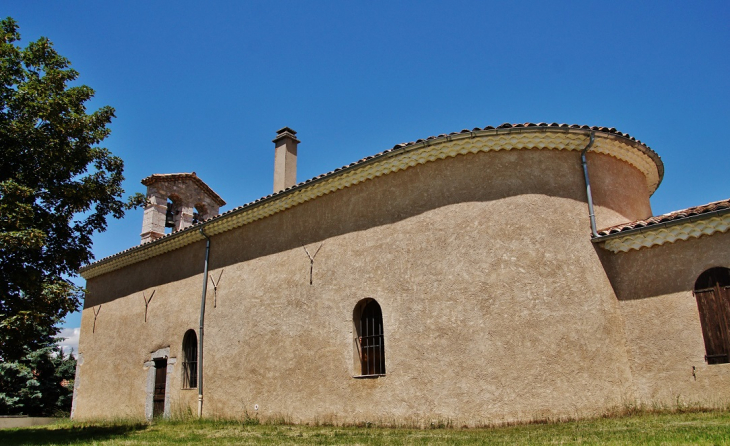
column 190, row 360
column 200, row 213
column 712, row 291
column 370, row 341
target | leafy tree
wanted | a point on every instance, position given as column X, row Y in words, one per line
column 39, row 384
column 57, row 188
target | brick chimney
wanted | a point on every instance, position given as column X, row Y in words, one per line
column 285, row 159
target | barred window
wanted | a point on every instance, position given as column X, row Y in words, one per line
column 190, row 360
column 370, row 342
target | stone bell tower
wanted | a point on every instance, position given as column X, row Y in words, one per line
column 176, row 200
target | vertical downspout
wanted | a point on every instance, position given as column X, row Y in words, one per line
column 591, row 212
column 202, row 322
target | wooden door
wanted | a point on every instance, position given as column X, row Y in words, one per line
column 158, row 397
column 712, row 291
column 714, row 325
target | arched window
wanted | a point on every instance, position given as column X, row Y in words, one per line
column 190, row 360
column 200, row 213
column 370, row 342
column 712, row 290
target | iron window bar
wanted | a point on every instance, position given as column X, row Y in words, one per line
column 190, row 363
column 371, row 340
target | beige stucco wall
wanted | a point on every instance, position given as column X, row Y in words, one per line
column 495, row 303
column 664, row 336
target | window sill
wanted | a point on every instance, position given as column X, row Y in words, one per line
column 189, row 388
column 368, row 376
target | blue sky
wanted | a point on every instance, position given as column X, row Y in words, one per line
column 203, row 87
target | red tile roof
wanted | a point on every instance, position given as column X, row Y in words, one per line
column 715, row 206
column 182, row 176
column 506, row 128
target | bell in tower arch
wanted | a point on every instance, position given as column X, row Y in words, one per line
column 170, row 216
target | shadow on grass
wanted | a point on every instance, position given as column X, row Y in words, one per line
column 68, row 434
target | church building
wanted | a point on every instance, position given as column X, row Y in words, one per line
column 483, row 276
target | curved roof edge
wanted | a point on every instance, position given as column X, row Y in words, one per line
column 305, row 191
column 530, row 125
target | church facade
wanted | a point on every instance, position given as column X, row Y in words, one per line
column 484, row 276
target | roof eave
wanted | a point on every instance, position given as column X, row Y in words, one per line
column 657, row 226
column 397, row 150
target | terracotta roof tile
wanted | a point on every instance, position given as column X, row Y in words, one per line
column 506, row 126
column 181, row 176
column 665, row 218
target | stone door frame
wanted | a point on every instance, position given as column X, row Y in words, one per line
column 163, row 353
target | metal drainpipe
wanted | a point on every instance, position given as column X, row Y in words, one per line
column 202, row 322
column 591, row 212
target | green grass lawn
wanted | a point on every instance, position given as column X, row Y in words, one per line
column 645, row 428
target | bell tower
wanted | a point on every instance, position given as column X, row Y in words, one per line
column 176, row 201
